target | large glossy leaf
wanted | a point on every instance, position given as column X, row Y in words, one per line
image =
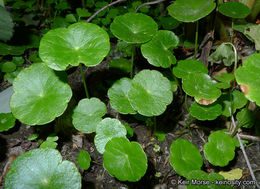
column 106, row 130
column 134, row 27
column 6, row 25
column 185, row 157
column 247, row 77
column 7, row 121
column 150, row 93
column 42, row 168
column 79, row 43
column 185, row 67
column 234, row 9
column 39, row 95
column 202, row 87
column 125, row 160
column 202, row 112
column 118, row 96
column 157, row 50
column 88, row 114
column 236, row 99
column 189, row 10
column 220, row 149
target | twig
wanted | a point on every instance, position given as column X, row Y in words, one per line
column 244, row 152
column 104, row 8
column 149, row 3
column 247, row 137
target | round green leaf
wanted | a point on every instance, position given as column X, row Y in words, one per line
column 225, row 80
column 7, row 121
column 246, row 118
column 106, row 130
column 8, row 67
column 157, row 50
column 202, row 87
column 220, row 149
column 84, row 159
column 39, row 95
column 189, row 10
column 118, row 96
column 247, row 77
column 134, row 27
column 88, row 114
column 42, row 168
column 150, row 93
column 79, row 43
column 209, row 112
column 234, row 9
column 125, row 160
column 185, row 157
column 238, row 101
column 185, row 67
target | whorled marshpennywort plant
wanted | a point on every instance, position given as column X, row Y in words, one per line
column 147, row 92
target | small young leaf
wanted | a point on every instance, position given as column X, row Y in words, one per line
column 234, row 9
column 70, row 18
column 79, row 43
column 247, row 76
column 246, row 118
column 185, row 157
column 189, row 10
column 88, row 114
column 42, row 168
column 202, row 87
column 84, row 160
column 157, row 50
column 220, row 149
column 41, row 100
column 150, row 93
column 11, row 50
column 83, row 12
column 134, row 27
column 7, row 121
column 18, row 60
column 130, row 131
column 49, row 144
column 125, row 160
column 209, row 112
column 224, row 53
column 169, row 23
column 33, row 137
column 118, row 96
column 238, row 101
column 106, row 130
column 188, row 66
column 8, row 67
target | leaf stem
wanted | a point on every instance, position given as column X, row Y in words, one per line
column 196, row 39
column 83, row 4
column 149, row 3
column 132, row 61
column 232, row 31
column 84, row 81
